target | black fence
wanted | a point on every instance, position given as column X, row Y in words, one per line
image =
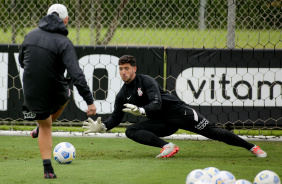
column 226, row 86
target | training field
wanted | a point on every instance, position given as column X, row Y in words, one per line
column 223, row 58
column 157, row 37
column 122, row 161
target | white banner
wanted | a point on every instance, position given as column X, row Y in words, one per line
column 88, row 64
column 230, row 86
column 3, row 81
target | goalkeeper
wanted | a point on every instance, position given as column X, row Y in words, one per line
column 142, row 96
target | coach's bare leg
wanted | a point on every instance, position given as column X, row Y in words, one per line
column 45, row 137
column 45, row 146
column 54, row 117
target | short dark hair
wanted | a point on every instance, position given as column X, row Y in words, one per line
column 127, row 59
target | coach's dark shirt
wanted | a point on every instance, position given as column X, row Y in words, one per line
column 143, row 91
column 45, row 54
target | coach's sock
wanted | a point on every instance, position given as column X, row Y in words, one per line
column 48, row 166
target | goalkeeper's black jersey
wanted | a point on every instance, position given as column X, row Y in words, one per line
column 143, row 91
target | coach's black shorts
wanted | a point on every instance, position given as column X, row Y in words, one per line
column 31, row 116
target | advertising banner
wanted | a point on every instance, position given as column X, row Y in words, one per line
column 228, row 86
column 100, row 66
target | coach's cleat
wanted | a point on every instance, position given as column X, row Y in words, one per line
column 168, row 150
column 258, row 152
column 49, row 175
column 35, row 132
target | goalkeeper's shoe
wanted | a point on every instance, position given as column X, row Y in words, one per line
column 35, row 132
column 258, row 152
column 49, row 175
column 168, row 150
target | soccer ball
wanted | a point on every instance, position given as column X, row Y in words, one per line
column 64, row 153
column 242, row 181
column 267, row 177
column 197, row 175
column 202, row 182
column 212, row 171
column 223, row 177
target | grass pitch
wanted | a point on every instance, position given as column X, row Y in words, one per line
column 122, row 161
column 172, row 37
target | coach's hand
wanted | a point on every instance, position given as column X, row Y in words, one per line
column 94, row 126
column 91, row 110
column 133, row 109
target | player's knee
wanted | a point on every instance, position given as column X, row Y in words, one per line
column 130, row 131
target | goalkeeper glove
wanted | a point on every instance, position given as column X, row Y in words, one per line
column 133, row 109
column 94, row 126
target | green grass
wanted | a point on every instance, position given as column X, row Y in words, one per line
column 247, row 132
column 122, row 161
column 258, row 132
column 183, row 38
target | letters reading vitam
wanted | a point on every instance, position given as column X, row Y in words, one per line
column 230, row 86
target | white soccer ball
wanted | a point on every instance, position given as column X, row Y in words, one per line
column 64, row 153
column 267, row 177
column 242, row 181
column 223, row 177
column 212, row 171
column 197, row 175
column 202, row 182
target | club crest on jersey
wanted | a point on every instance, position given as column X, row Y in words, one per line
column 140, row 92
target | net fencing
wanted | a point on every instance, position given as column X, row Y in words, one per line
column 205, row 24
column 170, row 23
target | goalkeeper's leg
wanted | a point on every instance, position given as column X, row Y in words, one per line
column 203, row 127
column 149, row 133
column 230, row 138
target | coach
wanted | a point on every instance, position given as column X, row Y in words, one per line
column 45, row 54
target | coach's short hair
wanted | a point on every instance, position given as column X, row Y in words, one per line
column 127, row 59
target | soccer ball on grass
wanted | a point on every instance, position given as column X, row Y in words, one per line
column 64, row 153
column 267, row 177
column 212, row 171
column 242, row 181
column 223, row 177
column 198, row 175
